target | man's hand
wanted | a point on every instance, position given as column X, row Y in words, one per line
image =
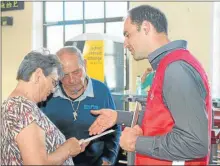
column 106, row 119
column 138, row 130
column 129, row 137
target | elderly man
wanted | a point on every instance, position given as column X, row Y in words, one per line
column 69, row 109
column 176, row 125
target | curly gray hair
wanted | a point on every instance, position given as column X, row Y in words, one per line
column 43, row 60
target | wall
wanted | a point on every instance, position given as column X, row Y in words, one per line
column 191, row 21
column 16, row 43
column 184, row 23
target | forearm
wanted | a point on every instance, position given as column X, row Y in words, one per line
column 175, row 145
column 59, row 156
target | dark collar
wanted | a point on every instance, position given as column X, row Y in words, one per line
column 155, row 57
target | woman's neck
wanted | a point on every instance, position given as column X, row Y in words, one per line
column 23, row 89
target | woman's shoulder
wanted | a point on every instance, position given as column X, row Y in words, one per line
column 18, row 103
column 20, row 108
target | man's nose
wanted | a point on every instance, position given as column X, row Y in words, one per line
column 125, row 44
column 71, row 78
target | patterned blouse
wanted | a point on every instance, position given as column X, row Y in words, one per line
column 17, row 113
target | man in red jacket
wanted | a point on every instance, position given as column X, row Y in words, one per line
column 175, row 126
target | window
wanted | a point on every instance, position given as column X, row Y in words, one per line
column 55, row 37
column 95, row 28
column 75, row 14
column 115, row 5
column 64, row 20
column 94, row 10
column 72, row 30
column 54, row 11
column 114, row 28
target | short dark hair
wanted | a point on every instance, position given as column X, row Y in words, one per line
column 148, row 13
column 33, row 60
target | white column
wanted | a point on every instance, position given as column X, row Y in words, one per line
column 216, row 52
column 37, row 33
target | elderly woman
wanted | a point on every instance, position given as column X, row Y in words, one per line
column 28, row 136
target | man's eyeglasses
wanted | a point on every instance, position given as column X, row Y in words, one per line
column 54, row 82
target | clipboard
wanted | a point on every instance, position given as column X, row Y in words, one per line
column 135, row 115
column 131, row 155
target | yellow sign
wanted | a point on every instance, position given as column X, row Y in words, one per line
column 94, row 54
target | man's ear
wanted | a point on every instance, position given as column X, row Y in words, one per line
column 35, row 77
column 85, row 64
column 146, row 27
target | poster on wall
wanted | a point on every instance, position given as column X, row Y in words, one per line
column 94, row 55
column 12, row 5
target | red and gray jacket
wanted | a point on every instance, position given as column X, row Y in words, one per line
column 158, row 120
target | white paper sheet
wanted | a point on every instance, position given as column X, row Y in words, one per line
column 96, row 136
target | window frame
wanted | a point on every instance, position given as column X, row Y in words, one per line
column 84, row 21
column 74, row 22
